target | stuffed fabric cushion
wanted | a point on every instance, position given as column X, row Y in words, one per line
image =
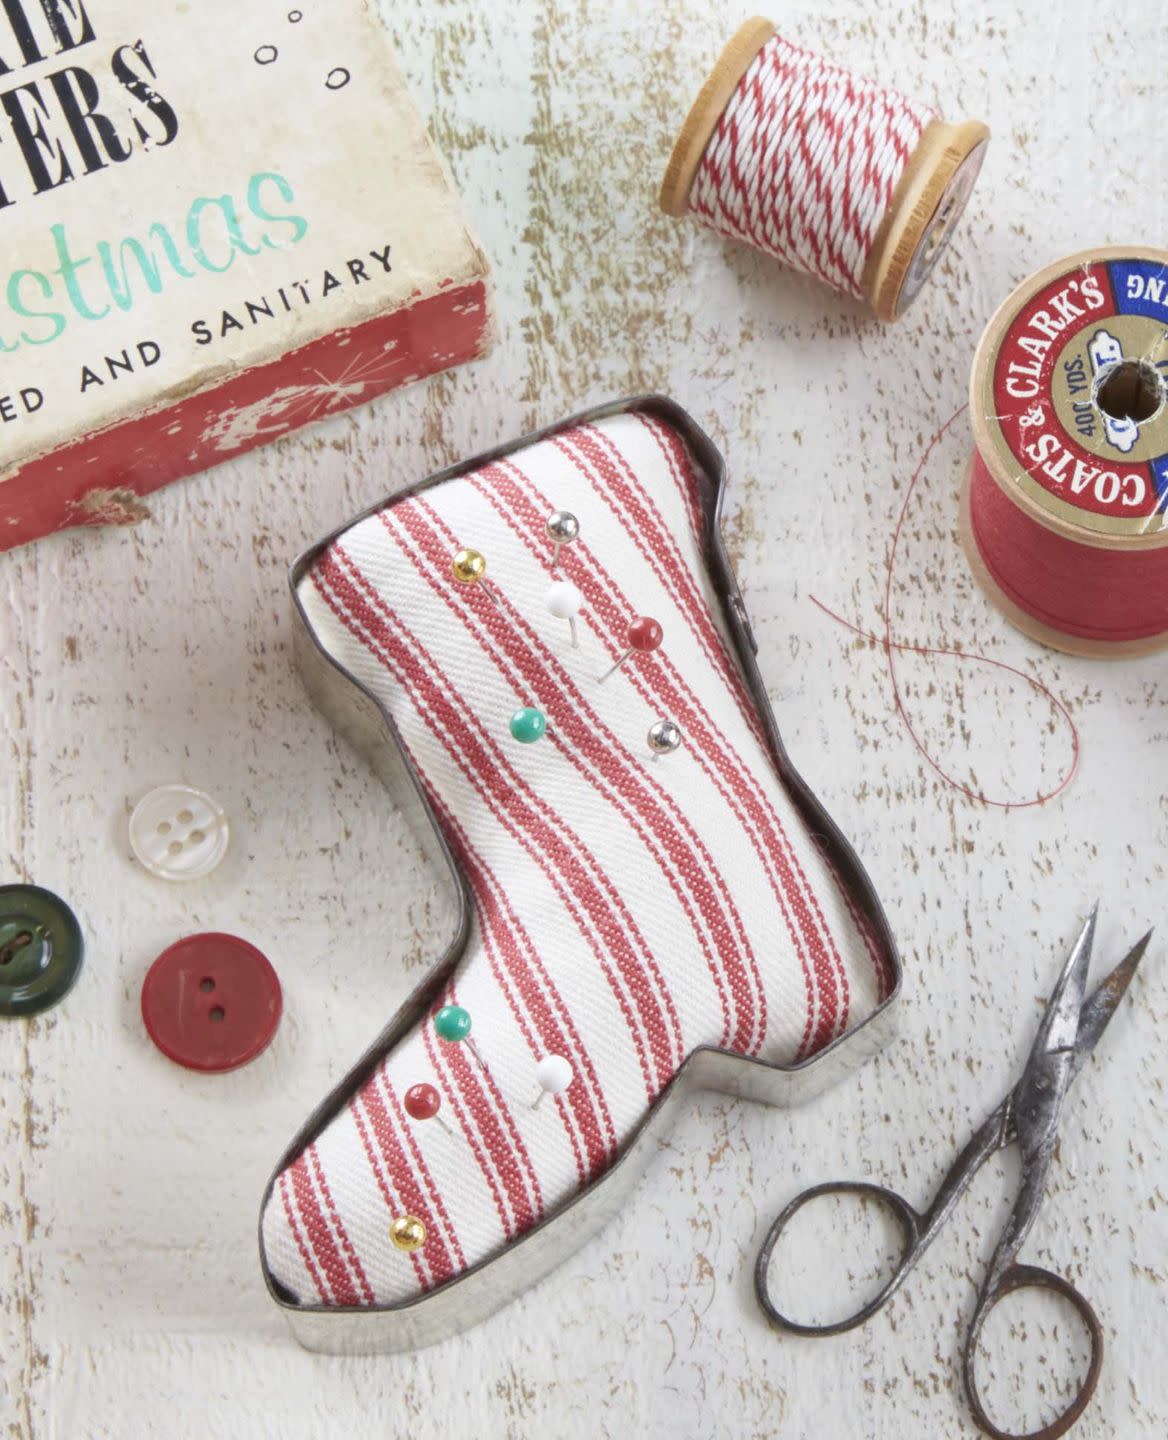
column 626, row 910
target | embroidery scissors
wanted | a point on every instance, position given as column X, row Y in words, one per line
column 1028, row 1116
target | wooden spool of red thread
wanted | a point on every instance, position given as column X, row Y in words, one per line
column 1063, row 513
column 912, row 229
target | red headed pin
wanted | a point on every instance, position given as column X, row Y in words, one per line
column 642, row 638
column 423, row 1102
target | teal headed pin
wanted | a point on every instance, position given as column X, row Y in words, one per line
column 453, row 1024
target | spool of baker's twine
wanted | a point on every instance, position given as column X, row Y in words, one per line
column 1064, row 511
column 831, row 174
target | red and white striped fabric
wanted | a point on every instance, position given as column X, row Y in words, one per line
column 627, row 911
column 804, row 162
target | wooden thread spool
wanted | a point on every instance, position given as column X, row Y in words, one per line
column 922, row 194
column 1063, row 511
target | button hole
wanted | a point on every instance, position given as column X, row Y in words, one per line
column 218, row 1013
column 17, row 943
column 196, row 837
column 164, row 827
column 185, row 817
column 175, row 847
column 206, row 984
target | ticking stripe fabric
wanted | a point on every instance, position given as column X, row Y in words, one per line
column 805, row 161
column 626, row 910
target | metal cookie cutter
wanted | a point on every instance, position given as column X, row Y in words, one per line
column 483, row 1288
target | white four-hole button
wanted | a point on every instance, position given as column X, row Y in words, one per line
column 179, row 833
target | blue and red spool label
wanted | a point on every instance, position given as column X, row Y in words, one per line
column 1079, row 391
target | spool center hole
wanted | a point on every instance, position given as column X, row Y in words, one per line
column 1133, row 390
column 939, row 233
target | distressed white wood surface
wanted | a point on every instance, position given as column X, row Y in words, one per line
column 130, row 1298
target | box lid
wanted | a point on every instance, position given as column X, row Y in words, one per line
column 193, row 190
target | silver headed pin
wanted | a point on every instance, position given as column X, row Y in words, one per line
column 664, row 738
column 562, row 529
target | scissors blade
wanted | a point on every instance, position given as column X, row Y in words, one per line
column 1060, row 1023
column 1038, row 1096
column 1104, row 1001
column 1037, row 1099
column 1094, row 1018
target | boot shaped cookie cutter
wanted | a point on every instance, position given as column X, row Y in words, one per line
column 485, row 1287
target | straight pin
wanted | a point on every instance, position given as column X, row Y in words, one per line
column 564, row 601
column 423, row 1102
column 453, row 1024
column 664, row 738
column 408, row 1233
column 469, row 567
column 642, row 638
column 562, row 529
column 528, row 725
column 553, row 1075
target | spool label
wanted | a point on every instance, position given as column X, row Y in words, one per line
column 1077, row 402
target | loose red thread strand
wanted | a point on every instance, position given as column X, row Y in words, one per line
column 891, row 646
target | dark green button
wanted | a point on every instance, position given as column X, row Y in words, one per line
column 40, row 949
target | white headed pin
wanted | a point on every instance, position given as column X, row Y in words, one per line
column 564, row 601
column 664, row 738
column 553, row 1074
column 562, row 529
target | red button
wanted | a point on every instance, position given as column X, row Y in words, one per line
column 211, row 1002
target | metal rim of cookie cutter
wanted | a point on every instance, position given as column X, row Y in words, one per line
column 485, row 1287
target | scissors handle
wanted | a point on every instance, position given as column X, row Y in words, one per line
column 916, row 1231
column 1031, row 1277
column 911, row 1223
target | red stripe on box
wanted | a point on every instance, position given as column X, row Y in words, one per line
column 98, row 480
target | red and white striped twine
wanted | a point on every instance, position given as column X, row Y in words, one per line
column 804, row 162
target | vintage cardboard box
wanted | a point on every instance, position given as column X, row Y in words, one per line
column 219, row 222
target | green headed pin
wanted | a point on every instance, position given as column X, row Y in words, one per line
column 453, row 1024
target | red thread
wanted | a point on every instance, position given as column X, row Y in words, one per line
column 891, row 646
column 1112, row 595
